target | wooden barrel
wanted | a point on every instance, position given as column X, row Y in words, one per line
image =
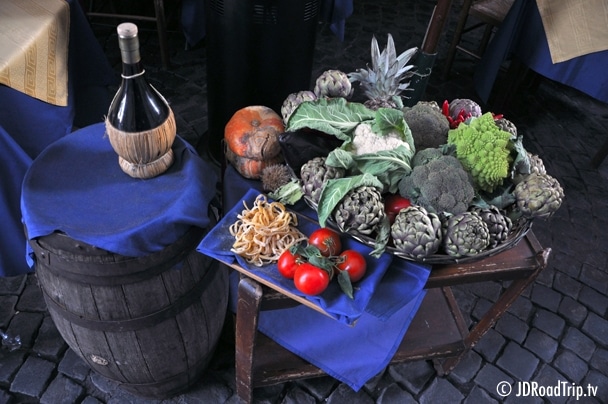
column 150, row 323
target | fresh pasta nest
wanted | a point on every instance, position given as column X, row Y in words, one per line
column 264, row 231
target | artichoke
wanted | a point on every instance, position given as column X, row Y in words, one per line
column 465, row 234
column 470, row 107
column 498, row 224
column 538, row 195
column 361, row 210
column 536, row 167
column 314, row 173
column 416, row 232
column 333, row 83
column 507, row 126
column 293, row 100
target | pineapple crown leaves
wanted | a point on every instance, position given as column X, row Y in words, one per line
column 384, row 78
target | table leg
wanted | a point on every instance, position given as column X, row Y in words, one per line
column 490, row 318
column 247, row 314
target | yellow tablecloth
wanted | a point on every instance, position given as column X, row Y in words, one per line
column 34, row 38
column 574, row 27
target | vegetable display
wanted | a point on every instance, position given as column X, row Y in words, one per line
column 426, row 183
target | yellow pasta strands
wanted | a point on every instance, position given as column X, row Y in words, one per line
column 263, row 232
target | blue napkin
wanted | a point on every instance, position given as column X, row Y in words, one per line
column 218, row 241
column 76, row 186
column 352, row 355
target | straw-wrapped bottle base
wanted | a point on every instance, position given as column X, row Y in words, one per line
column 147, row 170
column 144, row 154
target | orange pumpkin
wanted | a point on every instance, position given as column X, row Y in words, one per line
column 253, row 132
column 251, row 168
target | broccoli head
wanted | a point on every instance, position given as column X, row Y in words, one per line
column 484, row 150
column 440, row 185
column 428, row 125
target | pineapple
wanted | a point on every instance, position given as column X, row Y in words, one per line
column 382, row 83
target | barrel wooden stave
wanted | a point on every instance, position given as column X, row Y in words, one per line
column 116, row 328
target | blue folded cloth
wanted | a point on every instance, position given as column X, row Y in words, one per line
column 76, row 186
column 218, row 242
column 352, row 355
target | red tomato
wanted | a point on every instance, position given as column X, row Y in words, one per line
column 353, row 263
column 310, row 279
column 288, row 263
column 326, row 240
column 393, row 203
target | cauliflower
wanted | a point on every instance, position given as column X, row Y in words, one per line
column 365, row 141
column 484, row 150
column 439, row 185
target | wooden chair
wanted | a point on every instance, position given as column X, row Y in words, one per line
column 159, row 17
column 488, row 14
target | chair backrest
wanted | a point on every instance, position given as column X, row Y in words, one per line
column 491, row 11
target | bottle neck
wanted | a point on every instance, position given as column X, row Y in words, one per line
column 132, row 70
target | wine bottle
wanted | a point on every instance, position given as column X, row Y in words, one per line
column 140, row 123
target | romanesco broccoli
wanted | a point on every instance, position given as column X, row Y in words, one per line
column 484, row 150
column 440, row 185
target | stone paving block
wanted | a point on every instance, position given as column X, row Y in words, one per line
column 546, row 297
column 62, row 390
column 477, row 396
column 412, row 375
column 566, row 263
column 490, row 345
column 599, row 380
column 512, row 327
column 541, row 344
column 344, row 394
column 487, row 290
column 296, row 395
column 12, row 285
column 441, row 391
column 395, row 394
column 549, row 323
column 571, row 365
column 49, row 343
column 597, row 328
column 596, row 278
column 579, row 343
column 522, row 308
column 31, row 299
column 73, row 366
column 481, row 308
column 91, row 400
column 7, row 309
column 319, row 387
column 25, row 325
column 467, row 368
column 5, row 397
column 567, row 285
column 10, row 364
column 212, row 390
column 599, row 360
column 33, row 377
column 518, row 362
column 595, row 301
column 572, row 311
column 549, row 376
column 489, row 378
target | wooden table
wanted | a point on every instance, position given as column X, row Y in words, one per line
column 437, row 332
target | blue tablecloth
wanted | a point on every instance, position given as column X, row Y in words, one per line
column 30, row 125
column 522, row 35
column 350, row 353
column 77, row 187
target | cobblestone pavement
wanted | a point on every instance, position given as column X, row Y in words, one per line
column 556, row 331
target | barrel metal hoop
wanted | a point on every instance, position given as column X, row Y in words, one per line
column 115, row 273
column 138, row 323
